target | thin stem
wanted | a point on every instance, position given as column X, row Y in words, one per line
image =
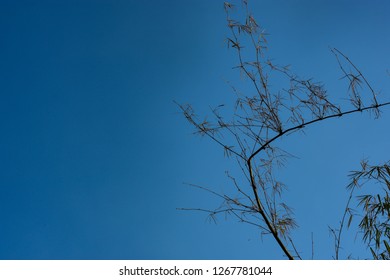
column 253, row 184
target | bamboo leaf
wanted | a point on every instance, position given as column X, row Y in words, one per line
column 350, row 220
column 373, row 254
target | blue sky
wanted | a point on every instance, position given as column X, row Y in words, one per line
column 94, row 152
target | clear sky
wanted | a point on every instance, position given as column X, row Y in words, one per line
column 94, row 152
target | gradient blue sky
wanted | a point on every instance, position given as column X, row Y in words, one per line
column 94, row 152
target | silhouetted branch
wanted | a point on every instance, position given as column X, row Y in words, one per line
column 258, row 120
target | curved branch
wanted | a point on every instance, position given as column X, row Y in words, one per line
column 297, row 127
column 253, row 184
